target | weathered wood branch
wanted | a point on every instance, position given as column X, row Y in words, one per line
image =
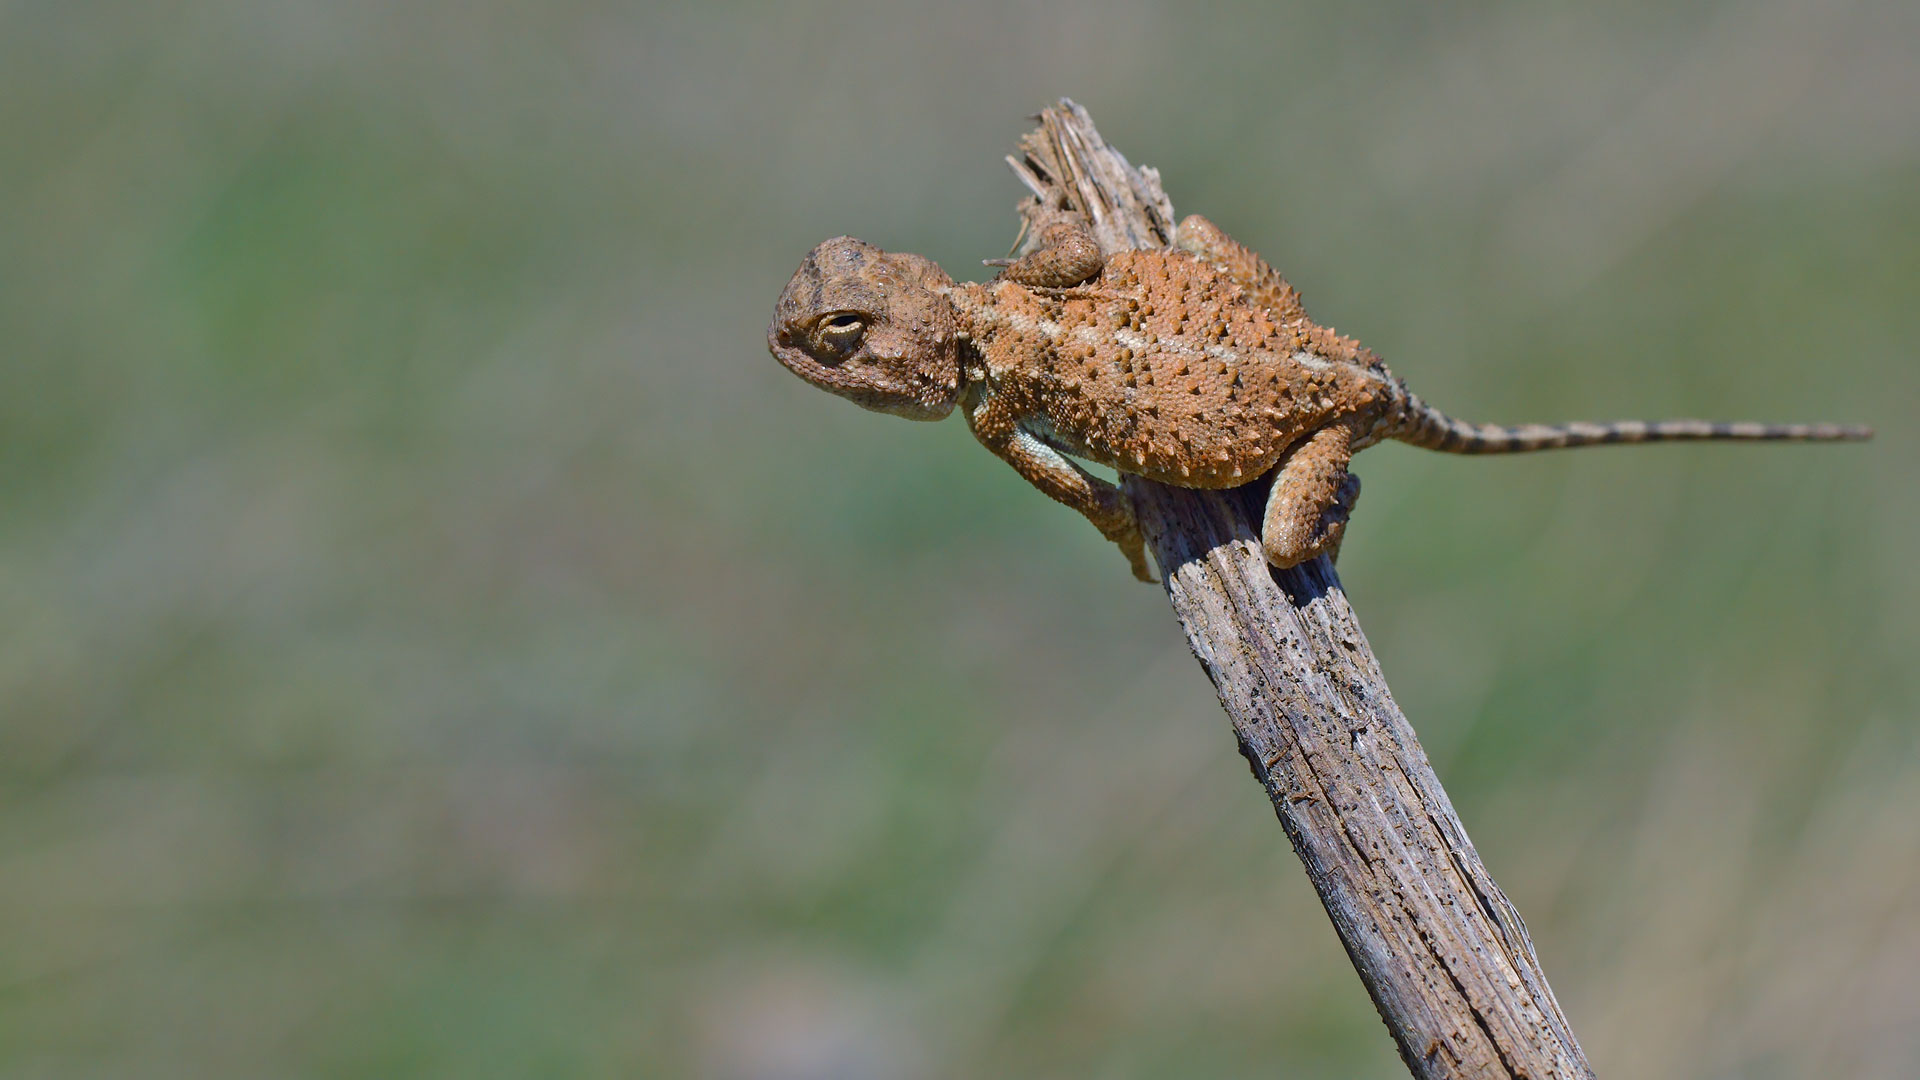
column 1440, row 948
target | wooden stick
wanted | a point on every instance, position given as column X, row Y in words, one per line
column 1440, row 948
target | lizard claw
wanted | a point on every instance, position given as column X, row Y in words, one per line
column 1135, row 549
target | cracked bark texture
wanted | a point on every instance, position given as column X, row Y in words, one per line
column 1440, row 948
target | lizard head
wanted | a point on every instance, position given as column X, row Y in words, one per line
column 874, row 327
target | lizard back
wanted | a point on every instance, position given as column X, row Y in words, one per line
column 1165, row 367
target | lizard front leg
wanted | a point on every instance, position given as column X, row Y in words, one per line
column 1068, row 255
column 1103, row 504
column 1312, row 495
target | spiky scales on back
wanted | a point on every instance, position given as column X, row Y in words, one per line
column 1165, row 367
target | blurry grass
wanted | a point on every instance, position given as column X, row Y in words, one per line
column 438, row 641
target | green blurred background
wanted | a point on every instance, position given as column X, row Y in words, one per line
column 437, row 640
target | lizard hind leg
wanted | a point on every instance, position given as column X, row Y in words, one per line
column 1311, row 498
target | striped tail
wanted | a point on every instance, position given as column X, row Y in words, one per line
column 1423, row 425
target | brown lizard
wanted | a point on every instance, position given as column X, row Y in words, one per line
column 1193, row 365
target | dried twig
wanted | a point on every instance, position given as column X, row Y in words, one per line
column 1438, row 945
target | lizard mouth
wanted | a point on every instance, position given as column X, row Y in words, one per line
column 870, row 384
column 827, row 376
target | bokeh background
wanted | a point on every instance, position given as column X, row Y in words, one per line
column 437, row 640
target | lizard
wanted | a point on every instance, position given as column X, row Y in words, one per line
column 1193, row 365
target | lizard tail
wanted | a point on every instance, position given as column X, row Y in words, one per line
column 1423, row 425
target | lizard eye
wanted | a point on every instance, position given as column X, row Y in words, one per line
column 838, row 334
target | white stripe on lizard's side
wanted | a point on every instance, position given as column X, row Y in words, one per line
column 1183, row 348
